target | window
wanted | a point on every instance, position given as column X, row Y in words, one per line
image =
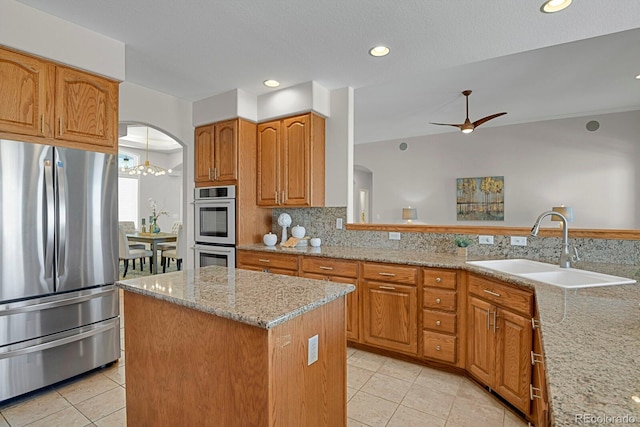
column 128, row 190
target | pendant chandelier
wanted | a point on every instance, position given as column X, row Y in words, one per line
column 146, row 168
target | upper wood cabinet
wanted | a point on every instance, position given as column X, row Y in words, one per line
column 290, row 162
column 45, row 100
column 216, row 153
column 86, row 108
column 26, row 94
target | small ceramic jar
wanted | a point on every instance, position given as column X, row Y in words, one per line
column 315, row 242
column 270, row 239
column 298, row 232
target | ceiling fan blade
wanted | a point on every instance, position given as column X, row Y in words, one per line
column 486, row 119
column 446, row 124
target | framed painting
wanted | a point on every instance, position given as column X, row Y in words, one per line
column 480, row 198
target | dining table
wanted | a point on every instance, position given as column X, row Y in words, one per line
column 153, row 239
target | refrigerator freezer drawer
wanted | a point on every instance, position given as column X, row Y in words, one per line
column 31, row 365
column 34, row 318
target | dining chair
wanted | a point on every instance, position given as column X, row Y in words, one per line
column 178, row 253
column 170, row 245
column 126, row 253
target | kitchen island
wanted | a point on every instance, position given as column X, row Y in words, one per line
column 218, row 346
column 591, row 336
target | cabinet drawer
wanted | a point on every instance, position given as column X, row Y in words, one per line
column 501, row 294
column 439, row 346
column 440, row 299
column 330, row 267
column 439, row 321
column 390, row 273
column 439, row 278
column 267, row 260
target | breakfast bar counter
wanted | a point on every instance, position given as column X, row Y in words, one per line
column 218, row 346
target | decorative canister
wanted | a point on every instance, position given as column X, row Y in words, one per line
column 315, row 242
column 270, row 239
column 298, row 232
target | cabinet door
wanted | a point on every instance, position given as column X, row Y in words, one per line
column 480, row 340
column 204, row 154
column 540, row 400
column 513, row 358
column 352, row 301
column 296, row 161
column 25, row 94
column 268, row 164
column 86, row 108
column 390, row 316
column 226, row 152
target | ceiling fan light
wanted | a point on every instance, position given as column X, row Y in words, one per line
column 467, row 129
column 552, row 6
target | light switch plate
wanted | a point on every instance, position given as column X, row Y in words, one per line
column 312, row 350
column 394, row 235
column 339, row 223
column 485, row 240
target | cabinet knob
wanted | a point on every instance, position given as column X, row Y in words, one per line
column 437, row 300
column 437, row 348
column 438, row 280
column 438, row 322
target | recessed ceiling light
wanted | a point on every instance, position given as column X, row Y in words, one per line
column 271, row 83
column 379, row 51
column 552, row 6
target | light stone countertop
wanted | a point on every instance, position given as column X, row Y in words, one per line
column 591, row 336
column 258, row 299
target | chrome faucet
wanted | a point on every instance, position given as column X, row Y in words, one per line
column 565, row 257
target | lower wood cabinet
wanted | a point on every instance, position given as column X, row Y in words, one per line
column 500, row 339
column 539, row 394
column 268, row 263
column 390, row 307
column 341, row 271
column 439, row 315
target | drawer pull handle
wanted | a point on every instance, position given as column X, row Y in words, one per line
column 532, row 392
column 536, row 358
column 437, row 348
column 438, row 322
column 387, row 287
column 264, row 260
column 322, row 267
column 534, row 323
column 495, row 294
column 387, row 274
column 438, row 280
column 437, row 300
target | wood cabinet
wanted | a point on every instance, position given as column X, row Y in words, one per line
column 57, row 104
column 390, row 307
column 500, row 339
column 216, row 153
column 341, row 271
column 291, row 162
column 268, row 263
column 539, row 393
column 439, row 315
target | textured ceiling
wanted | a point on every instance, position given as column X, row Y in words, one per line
column 500, row 49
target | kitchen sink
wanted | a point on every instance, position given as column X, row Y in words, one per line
column 552, row 274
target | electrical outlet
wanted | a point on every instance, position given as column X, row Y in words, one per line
column 339, row 223
column 518, row 241
column 312, row 350
column 394, row 235
column 485, row 240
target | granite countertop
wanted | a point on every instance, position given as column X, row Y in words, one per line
column 258, row 299
column 591, row 336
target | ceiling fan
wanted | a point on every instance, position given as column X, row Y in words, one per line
column 467, row 126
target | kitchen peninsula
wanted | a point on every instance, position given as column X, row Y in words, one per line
column 218, row 346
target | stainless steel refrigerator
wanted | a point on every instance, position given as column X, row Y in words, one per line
column 59, row 309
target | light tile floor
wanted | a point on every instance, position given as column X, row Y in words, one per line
column 381, row 391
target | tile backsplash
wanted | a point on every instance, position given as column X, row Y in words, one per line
column 321, row 222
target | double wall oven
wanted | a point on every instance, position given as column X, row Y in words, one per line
column 215, row 226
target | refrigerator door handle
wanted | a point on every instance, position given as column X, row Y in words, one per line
column 50, row 219
column 62, row 216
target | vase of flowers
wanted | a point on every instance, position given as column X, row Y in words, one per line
column 155, row 214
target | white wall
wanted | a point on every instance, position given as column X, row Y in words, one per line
column 30, row 30
column 339, row 148
column 544, row 164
